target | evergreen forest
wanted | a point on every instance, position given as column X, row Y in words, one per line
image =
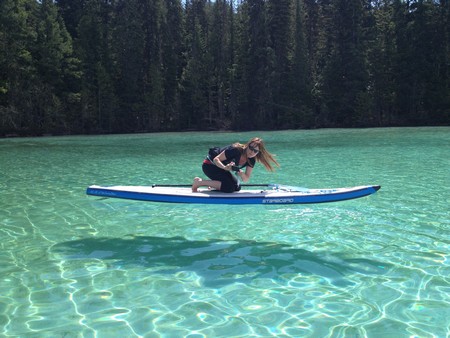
column 125, row 66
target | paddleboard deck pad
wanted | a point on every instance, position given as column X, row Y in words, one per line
column 255, row 196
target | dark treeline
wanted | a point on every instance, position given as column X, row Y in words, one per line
column 115, row 66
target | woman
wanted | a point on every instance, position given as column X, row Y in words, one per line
column 220, row 163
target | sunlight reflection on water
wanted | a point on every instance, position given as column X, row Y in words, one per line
column 77, row 265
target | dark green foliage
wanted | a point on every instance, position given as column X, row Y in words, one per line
column 345, row 76
column 171, row 55
column 196, row 76
column 421, row 62
column 39, row 74
column 112, row 66
column 98, row 102
column 381, row 65
column 16, row 66
column 131, row 38
column 298, row 92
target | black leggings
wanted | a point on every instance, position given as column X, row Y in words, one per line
column 229, row 181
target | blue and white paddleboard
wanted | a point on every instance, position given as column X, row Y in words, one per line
column 265, row 196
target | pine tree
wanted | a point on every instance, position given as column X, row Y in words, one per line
column 345, row 76
column 219, row 47
column 279, row 21
column 95, row 66
column 233, row 77
column 196, row 74
column 72, row 11
column 56, row 69
column 17, row 70
column 98, row 100
column 129, row 49
column 171, row 53
column 381, row 59
column 300, row 92
column 256, row 101
column 430, row 32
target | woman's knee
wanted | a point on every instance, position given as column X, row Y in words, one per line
column 229, row 187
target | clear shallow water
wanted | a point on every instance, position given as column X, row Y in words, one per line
column 73, row 265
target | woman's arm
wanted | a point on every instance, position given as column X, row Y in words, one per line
column 218, row 162
column 245, row 176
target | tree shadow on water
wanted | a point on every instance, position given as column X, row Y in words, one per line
column 218, row 262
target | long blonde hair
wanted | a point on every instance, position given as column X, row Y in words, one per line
column 263, row 156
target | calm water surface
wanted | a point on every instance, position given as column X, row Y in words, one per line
column 79, row 266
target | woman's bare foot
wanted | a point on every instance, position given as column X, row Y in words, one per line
column 196, row 184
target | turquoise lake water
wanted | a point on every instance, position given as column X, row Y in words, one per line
column 73, row 265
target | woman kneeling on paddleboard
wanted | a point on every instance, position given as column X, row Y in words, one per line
column 221, row 162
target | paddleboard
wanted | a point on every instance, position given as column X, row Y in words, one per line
column 255, row 196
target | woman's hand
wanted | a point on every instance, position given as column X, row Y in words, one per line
column 218, row 162
column 245, row 176
column 229, row 166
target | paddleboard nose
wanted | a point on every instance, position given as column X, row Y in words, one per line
column 377, row 187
